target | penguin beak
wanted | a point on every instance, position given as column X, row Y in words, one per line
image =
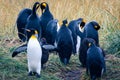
column 28, row 30
column 38, row 5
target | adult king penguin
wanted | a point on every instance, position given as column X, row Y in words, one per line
column 33, row 21
column 95, row 60
column 21, row 22
column 45, row 17
column 34, row 54
column 91, row 31
column 51, row 31
column 64, row 43
column 75, row 26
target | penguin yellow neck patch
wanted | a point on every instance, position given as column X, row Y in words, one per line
column 33, row 37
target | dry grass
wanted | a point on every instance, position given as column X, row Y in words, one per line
column 106, row 12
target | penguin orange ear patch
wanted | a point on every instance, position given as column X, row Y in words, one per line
column 89, row 44
column 44, row 4
column 66, row 24
column 60, row 23
column 97, row 27
column 84, row 21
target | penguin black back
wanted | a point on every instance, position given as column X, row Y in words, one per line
column 64, row 43
column 45, row 17
column 33, row 21
column 45, row 52
column 21, row 22
column 74, row 27
column 95, row 60
column 83, row 51
column 91, row 31
column 51, row 31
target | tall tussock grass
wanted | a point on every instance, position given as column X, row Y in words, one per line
column 105, row 12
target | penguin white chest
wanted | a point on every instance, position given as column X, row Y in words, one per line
column 34, row 53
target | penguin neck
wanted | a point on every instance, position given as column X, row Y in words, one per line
column 33, row 37
column 63, row 26
column 47, row 9
column 34, row 10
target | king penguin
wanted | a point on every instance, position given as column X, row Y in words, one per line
column 45, row 17
column 51, row 31
column 21, row 22
column 95, row 60
column 34, row 54
column 75, row 26
column 33, row 21
column 64, row 43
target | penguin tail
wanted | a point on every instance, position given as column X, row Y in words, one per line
column 93, row 78
column 65, row 61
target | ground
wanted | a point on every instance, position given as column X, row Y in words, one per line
column 16, row 68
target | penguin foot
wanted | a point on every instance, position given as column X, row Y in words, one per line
column 43, row 67
column 30, row 74
column 37, row 75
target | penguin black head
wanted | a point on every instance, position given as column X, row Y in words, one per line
column 64, row 22
column 91, row 42
column 81, row 22
column 43, row 41
column 36, row 6
column 96, row 25
column 32, row 32
column 44, row 6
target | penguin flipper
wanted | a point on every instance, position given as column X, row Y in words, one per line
column 19, row 49
column 49, row 47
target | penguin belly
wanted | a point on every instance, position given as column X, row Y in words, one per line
column 78, row 44
column 34, row 53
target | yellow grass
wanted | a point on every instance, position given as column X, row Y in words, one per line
column 106, row 12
